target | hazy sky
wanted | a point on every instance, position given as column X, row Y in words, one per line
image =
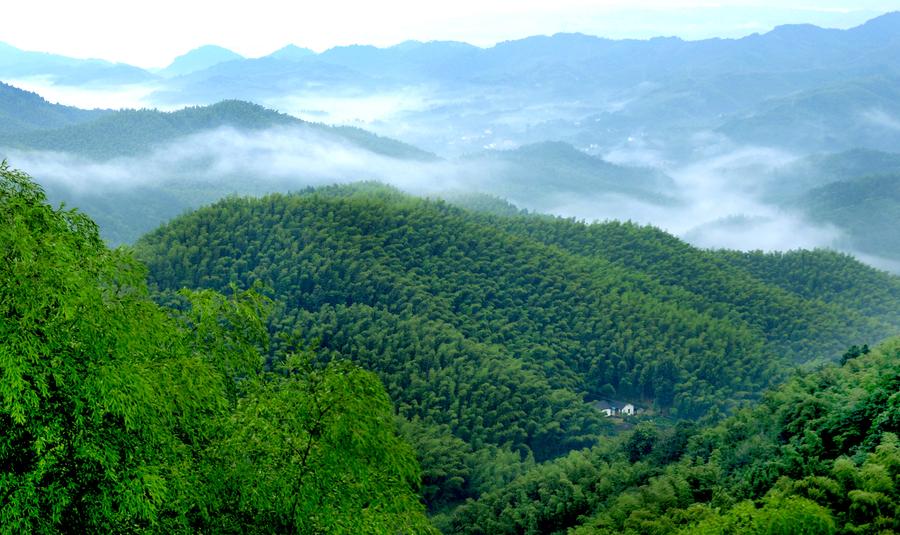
column 150, row 34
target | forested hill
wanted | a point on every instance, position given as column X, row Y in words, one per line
column 781, row 282
column 22, row 111
column 866, row 207
column 489, row 331
column 135, row 132
column 819, row 455
column 119, row 413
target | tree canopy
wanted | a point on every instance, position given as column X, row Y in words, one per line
column 493, row 332
column 119, row 415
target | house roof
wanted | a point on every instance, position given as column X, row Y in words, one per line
column 611, row 404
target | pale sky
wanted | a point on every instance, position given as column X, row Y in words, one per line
column 151, row 34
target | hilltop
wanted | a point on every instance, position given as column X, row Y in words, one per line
column 492, row 332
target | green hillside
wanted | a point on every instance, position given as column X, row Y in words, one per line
column 866, row 208
column 22, row 111
column 818, row 455
column 490, row 332
column 137, row 132
column 826, row 275
column 784, row 282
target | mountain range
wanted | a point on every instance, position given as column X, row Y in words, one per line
column 801, row 87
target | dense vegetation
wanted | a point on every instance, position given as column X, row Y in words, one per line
column 231, row 413
column 866, row 208
column 119, row 416
column 135, row 132
column 22, row 111
column 819, row 455
column 837, row 278
column 490, row 332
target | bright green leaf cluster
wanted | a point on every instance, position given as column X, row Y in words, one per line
column 120, row 416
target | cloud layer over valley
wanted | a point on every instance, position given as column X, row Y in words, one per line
column 713, row 202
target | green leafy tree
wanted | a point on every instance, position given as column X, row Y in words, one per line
column 102, row 399
column 119, row 416
column 324, row 444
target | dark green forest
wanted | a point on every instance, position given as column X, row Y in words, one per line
column 351, row 359
column 493, row 333
column 818, row 455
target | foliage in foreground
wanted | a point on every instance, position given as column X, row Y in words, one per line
column 120, row 416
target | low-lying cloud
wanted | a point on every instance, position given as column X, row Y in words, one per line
column 717, row 197
column 354, row 108
column 117, row 97
column 291, row 156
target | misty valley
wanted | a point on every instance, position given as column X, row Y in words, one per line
column 562, row 284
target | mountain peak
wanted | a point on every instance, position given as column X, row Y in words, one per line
column 414, row 45
column 884, row 25
column 291, row 53
column 794, row 31
column 198, row 59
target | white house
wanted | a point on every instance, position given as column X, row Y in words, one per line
column 614, row 408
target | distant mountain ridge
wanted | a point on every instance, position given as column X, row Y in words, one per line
column 23, row 111
column 807, row 88
column 775, row 87
column 133, row 132
column 541, row 171
column 199, row 59
column 811, row 47
column 17, row 63
column 821, row 47
column 798, row 89
column 291, row 53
